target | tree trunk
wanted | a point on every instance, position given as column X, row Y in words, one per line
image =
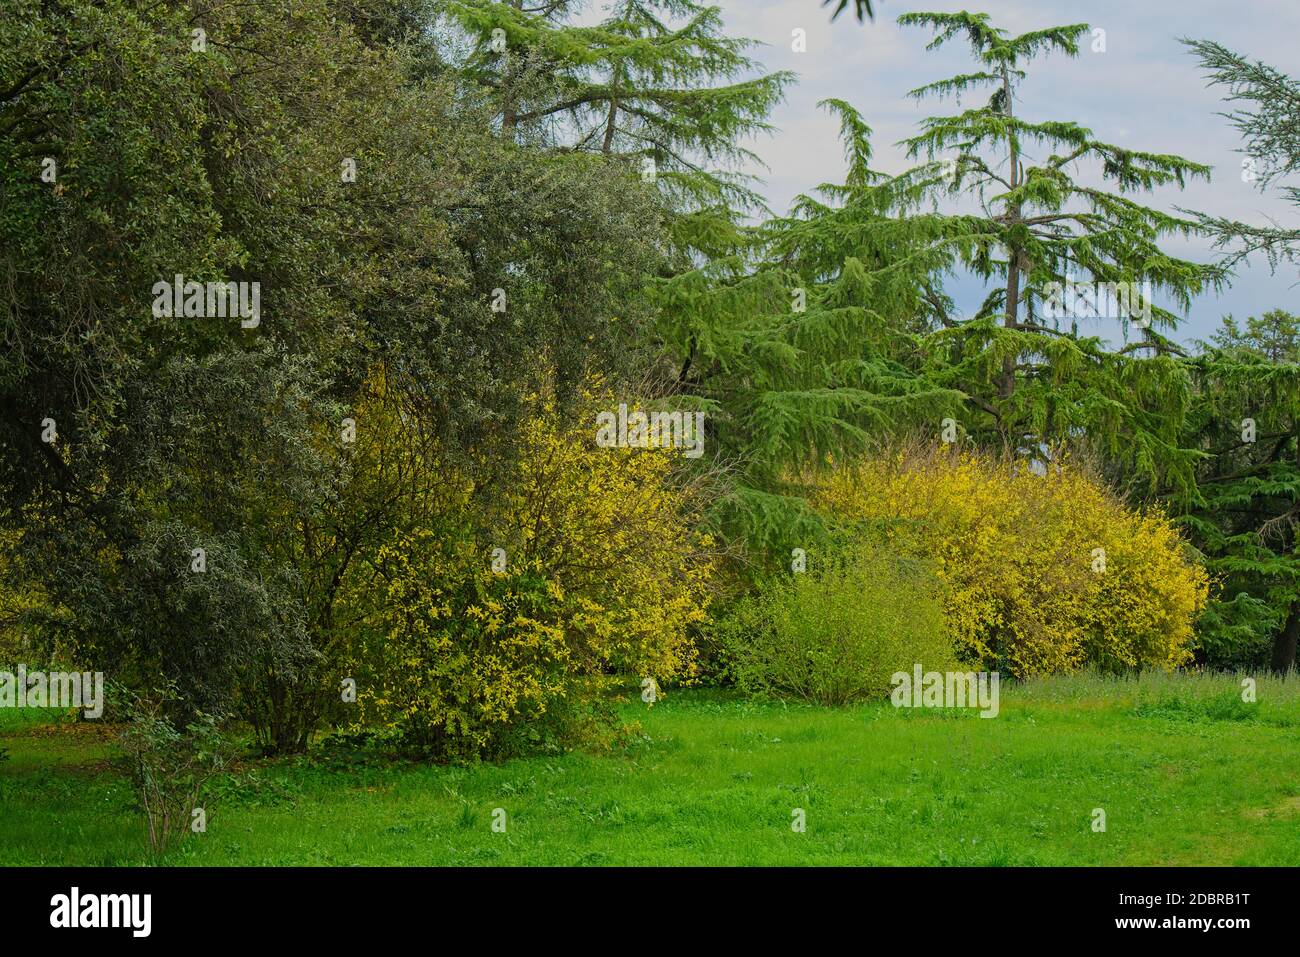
column 509, row 109
column 1008, row 381
column 1284, row 645
column 608, row 144
column 611, row 118
column 1007, row 385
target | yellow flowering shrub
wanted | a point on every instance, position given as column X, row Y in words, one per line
column 498, row 624
column 617, row 533
column 465, row 653
column 1041, row 573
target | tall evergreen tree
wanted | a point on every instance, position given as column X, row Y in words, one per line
column 1038, row 232
column 805, row 346
column 656, row 82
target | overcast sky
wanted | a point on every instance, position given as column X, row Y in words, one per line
column 1145, row 91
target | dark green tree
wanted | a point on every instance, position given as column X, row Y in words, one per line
column 134, row 149
column 1246, row 408
column 1245, row 511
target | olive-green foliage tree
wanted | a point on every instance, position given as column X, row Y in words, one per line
column 156, row 470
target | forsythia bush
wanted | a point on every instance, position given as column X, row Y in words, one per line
column 1041, row 573
column 497, row 626
column 466, row 653
column 617, row 532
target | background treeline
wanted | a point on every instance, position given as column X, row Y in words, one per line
column 391, row 483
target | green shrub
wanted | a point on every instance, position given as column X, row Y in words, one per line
column 837, row 633
column 171, row 763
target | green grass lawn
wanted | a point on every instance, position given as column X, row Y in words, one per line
column 1185, row 772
